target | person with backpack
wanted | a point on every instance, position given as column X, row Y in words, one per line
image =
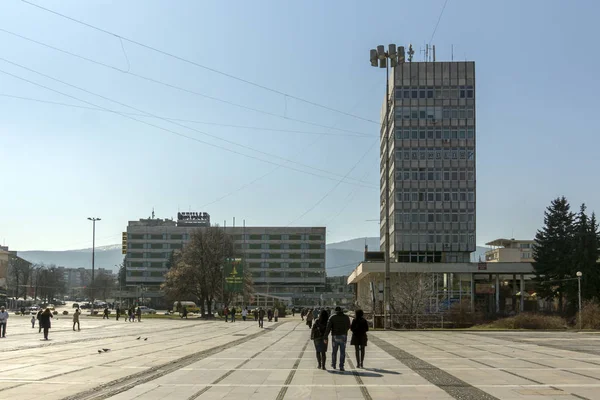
column 317, row 334
column 359, row 328
column 338, row 325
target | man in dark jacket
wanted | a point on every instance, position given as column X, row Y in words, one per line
column 338, row 325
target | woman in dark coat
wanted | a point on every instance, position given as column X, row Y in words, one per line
column 359, row 328
column 45, row 321
column 317, row 334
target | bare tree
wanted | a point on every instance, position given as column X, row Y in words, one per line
column 198, row 270
column 19, row 272
column 49, row 282
column 411, row 296
column 102, row 286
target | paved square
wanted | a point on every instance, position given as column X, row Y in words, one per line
column 216, row 360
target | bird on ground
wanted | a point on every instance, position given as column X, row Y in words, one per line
column 99, row 351
column 145, row 338
column 138, row 338
column 106, row 350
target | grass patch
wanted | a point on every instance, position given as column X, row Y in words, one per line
column 528, row 321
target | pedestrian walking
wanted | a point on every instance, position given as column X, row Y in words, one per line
column 106, row 313
column 233, row 311
column 39, row 318
column 255, row 312
column 261, row 318
column 309, row 319
column 184, row 313
column 138, row 312
column 293, row 312
column 76, row 319
column 244, row 313
column 118, row 311
column 315, row 314
column 338, row 326
column 226, row 313
column 317, row 334
column 269, row 314
column 276, row 314
column 359, row 328
column 303, row 313
column 132, row 314
column 45, row 318
column 33, row 321
column 3, row 321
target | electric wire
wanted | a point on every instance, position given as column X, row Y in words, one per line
column 175, row 123
column 175, row 132
column 165, row 53
column 179, row 88
column 438, row 22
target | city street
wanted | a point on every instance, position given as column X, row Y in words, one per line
column 217, row 360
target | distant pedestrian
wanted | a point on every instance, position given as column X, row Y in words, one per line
column 276, row 314
column 293, row 312
column 3, row 321
column 309, row 319
column 106, row 313
column 118, row 311
column 76, row 319
column 270, row 314
column 244, row 313
column 132, row 314
column 303, row 313
column 255, row 312
column 315, row 314
column 138, row 312
column 33, row 321
column 184, row 313
column 233, row 311
column 359, row 328
column 39, row 318
column 45, row 318
column 261, row 318
column 317, row 334
column 226, row 313
column 22, row 310
column 338, row 325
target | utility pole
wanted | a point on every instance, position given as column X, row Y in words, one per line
column 379, row 57
column 93, row 219
column 579, row 275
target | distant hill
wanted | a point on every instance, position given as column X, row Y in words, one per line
column 105, row 257
column 342, row 257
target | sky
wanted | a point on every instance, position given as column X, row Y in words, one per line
column 118, row 146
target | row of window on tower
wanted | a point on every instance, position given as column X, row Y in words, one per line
column 431, row 196
column 427, row 238
column 461, row 92
column 454, row 174
column 435, row 154
column 433, row 113
column 437, row 133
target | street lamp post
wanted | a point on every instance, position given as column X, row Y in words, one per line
column 379, row 58
column 93, row 219
column 579, row 275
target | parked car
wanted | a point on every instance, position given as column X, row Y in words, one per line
column 85, row 306
column 75, row 305
column 34, row 308
column 147, row 310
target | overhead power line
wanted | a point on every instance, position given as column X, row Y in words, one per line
column 185, row 60
column 438, row 21
column 179, row 88
column 160, row 127
column 191, row 121
column 174, row 123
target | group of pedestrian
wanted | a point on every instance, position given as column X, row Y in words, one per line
column 338, row 326
column 43, row 317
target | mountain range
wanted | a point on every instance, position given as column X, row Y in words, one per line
column 341, row 257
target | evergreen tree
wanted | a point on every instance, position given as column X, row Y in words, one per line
column 586, row 254
column 553, row 252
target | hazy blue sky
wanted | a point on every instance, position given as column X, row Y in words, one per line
column 537, row 98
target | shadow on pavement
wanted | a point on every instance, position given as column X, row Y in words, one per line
column 383, row 371
column 365, row 374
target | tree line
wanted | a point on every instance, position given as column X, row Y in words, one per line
column 196, row 272
column 567, row 243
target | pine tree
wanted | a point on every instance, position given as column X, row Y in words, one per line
column 586, row 254
column 553, row 251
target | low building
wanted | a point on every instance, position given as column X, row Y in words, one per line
column 510, row 250
column 283, row 261
column 338, row 292
column 497, row 287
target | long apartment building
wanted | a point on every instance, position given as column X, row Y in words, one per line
column 431, row 152
column 510, row 250
column 286, row 262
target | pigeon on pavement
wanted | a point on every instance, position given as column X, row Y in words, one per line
column 145, row 338
column 99, row 351
column 138, row 338
column 106, row 350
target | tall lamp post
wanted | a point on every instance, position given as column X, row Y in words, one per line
column 379, row 58
column 93, row 219
column 579, row 275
